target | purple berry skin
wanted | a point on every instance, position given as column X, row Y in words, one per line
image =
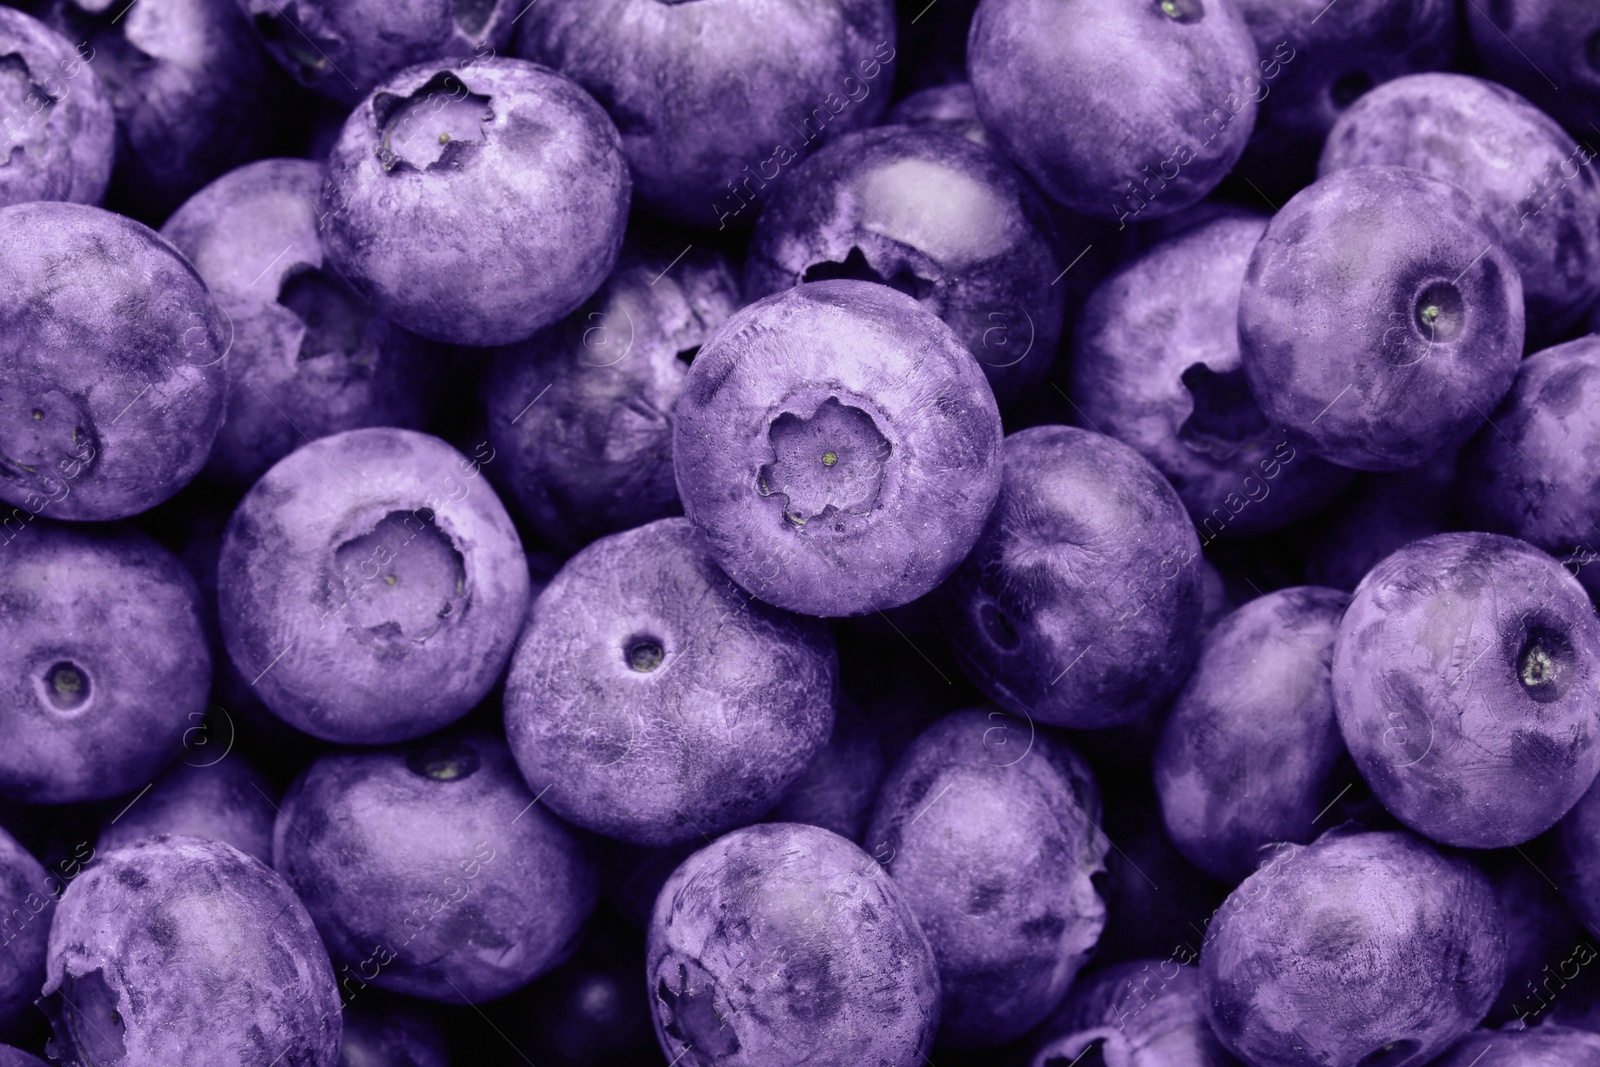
column 345, row 49
column 1119, row 111
column 994, row 848
column 177, row 944
column 390, row 1032
column 1155, row 364
column 783, row 944
column 111, row 384
column 476, row 204
column 1363, row 949
column 1141, row 1013
column 1547, row 50
column 716, row 100
column 1514, row 165
column 1543, row 937
column 64, row 143
column 581, row 412
column 652, row 700
column 1541, row 1046
column 417, row 876
column 952, row 107
column 943, row 220
column 1575, row 845
column 105, row 663
column 839, row 448
column 26, row 908
column 1529, row 472
column 1464, row 680
column 15, row 1057
column 1380, row 317
column 1251, row 753
column 839, row 788
column 1080, row 606
column 371, row 586
column 309, row 356
column 226, row 800
column 1382, row 512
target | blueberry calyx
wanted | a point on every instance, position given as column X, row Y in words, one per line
column 86, row 1025
column 1183, row 11
column 66, row 686
column 421, row 131
column 644, row 654
column 1440, row 313
column 855, row 267
column 1542, row 664
column 829, row 463
column 443, row 761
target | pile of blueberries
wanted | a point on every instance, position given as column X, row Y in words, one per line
column 800, row 533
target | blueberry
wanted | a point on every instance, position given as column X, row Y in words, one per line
column 1515, row 164
column 1382, row 512
column 382, row 1031
column 1251, row 753
column 952, row 107
column 837, row 791
column 61, row 129
column 784, row 944
column 1361, row 950
column 226, row 800
column 111, row 389
column 1141, row 1013
column 653, row 700
column 715, row 100
column 581, row 413
column 1080, row 605
column 943, row 220
column 1155, row 364
column 431, row 870
column 1543, row 1046
column 105, row 662
column 839, row 448
column 26, row 907
column 1464, row 681
column 309, row 356
column 994, row 847
column 15, row 1057
column 371, row 587
column 475, row 204
column 177, row 944
column 1547, row 50
column 1118, row 110
column 1530, row 471
column 1381, row 318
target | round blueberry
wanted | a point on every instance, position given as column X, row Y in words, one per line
column 952, row 107
column 309, row 357
column 783, row 944
column 177, row 944
column 1381, row 319
column 27, row 905
column 839, row 448
column 111, row 389
column 1139, row 1013
column 62, row 134
column 430, row 870
column 105, row 664
column 1547, row 50
column 581, row 412
column 370, row 586
column 990, row 831
column 1080, row 605
column 225, row 800
column 1464, row 679
column 475, row 204
column 653, row 700
column 1361, row 950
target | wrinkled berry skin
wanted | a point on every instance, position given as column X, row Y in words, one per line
column 309, row 356
column 476, row 228
column 839, row 448
column 1464, row 678
column 226, row 800
column 1547, row 50
column 1170, row 96
column 639, row 656
column 412, row 867
column 1532, row 181
column 1541, row 1046
column 993, row 847
column 782, row 944
column 177, row 944
column 1155, row 364
column 945, row 221
column 371, row 585
column 379, row 1031
column 1380, row 317
column 26, row 908
column 111, row 384
column 1529, row 472
column 1080, row 605
column 1147, row 1013
column 67, row 131
column 1358, row 950
column 717, row 99
column 580, row 414
column 104, row 666
column 1251, row 753
column 344, row 49
column 839, row 788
